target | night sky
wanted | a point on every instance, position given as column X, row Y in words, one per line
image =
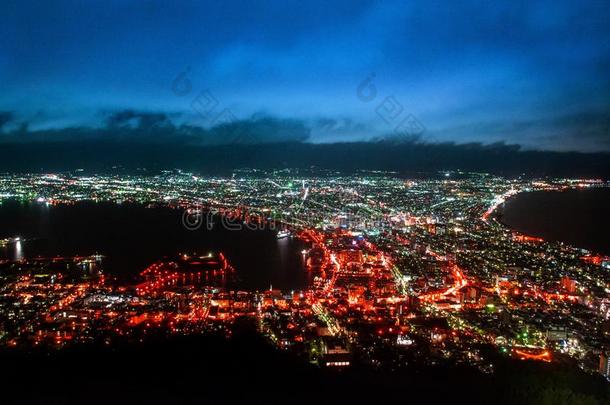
column 537, row 75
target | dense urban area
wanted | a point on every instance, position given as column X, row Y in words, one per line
column 404, row 272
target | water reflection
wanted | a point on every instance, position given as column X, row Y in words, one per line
column 18, row 251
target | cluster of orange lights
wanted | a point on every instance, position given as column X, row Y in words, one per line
column 526, row 239
column 164, row 274
column 595, row 260
column 537, row 355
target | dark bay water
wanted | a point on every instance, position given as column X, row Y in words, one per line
column 578, row 217
column 131, row 237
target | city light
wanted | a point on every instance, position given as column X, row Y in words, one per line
column 391, row 263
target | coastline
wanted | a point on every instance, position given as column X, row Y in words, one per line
column 543, row 214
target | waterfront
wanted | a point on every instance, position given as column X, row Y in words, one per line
column 576, row 217
column 131, row 237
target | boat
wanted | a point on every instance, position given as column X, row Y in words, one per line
column 284, row 233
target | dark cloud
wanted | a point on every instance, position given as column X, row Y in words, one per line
column 157, row 128
column 137, row 119
column 261, row 130
column 5, row 117
column 590, row 125
column 562, row 132
column 339, row 130
column 585, row 131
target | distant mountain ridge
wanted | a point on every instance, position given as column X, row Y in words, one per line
column 402, row 157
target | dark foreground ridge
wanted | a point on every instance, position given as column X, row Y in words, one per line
column 246, row 369
column 403, row 157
